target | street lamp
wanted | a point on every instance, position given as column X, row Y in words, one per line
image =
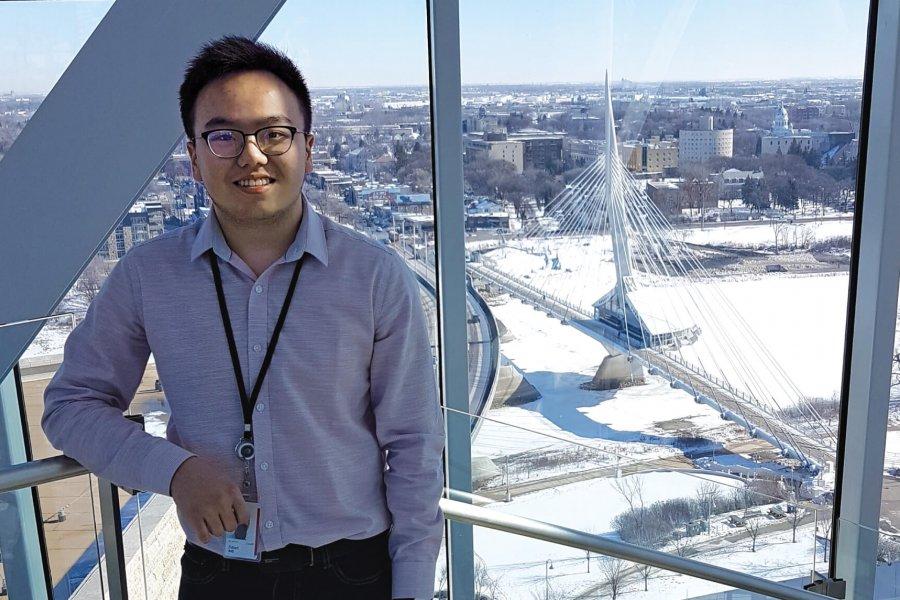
column 548, row 564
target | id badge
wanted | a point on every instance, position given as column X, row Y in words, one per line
column 242, row 543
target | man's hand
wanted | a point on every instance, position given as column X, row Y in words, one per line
column 209, row 503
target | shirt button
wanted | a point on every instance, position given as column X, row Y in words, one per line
column 264, row 466
column 260, row 407
column 270, row 524
column 257, row 347
column 258, row 289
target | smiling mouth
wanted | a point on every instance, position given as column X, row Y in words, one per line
column 254, row 183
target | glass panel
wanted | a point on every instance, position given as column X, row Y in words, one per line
column 38, row 40
column 372, row 173
column 887, row 571
column 761, row 524
column 666, row 262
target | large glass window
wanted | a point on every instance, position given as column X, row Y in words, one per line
column 38, row 40
column 888, row 552
column 665, row 258
column 372, row 174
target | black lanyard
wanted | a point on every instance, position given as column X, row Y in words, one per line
column 248, row 403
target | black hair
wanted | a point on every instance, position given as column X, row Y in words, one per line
column 235, row 54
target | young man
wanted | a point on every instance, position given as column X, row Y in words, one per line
column 295, row 358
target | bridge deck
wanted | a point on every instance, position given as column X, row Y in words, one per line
column 721, row 393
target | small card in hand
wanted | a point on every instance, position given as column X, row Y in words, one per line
column 241, row 543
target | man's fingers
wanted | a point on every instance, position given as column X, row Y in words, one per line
column 229, row 523
column 202, row 532
column 240, row 510
column 214, row 525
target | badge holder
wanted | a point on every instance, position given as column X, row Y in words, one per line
column 242, row 544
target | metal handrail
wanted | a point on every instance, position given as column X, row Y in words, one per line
column 71, row 315
column 564, row 536
column 36, row 472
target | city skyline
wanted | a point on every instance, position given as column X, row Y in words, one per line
column 651, row 41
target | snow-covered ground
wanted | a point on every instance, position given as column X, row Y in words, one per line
column 763, row 236
column 799, row 320
column 50, row 340
column 518, row 565
column 557, row 359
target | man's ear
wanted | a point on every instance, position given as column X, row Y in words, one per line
column 195, row 168
column 310, row 139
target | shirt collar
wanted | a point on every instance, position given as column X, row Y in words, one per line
column 310, row 238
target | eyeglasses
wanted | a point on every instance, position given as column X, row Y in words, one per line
column 271, row 141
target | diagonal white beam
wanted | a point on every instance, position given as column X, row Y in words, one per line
column 99, row 136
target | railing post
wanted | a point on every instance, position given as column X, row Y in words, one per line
column 446, row 125
column 24, row 566
column 113, row 547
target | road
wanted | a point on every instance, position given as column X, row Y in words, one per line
column 481, row 366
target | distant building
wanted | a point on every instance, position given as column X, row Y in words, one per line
column 697, row 146
column 582, row 152
column 355, row 160
column 413, row 204
column 376, row 166
column 333, row 182
column 539, row 148
column 784, row 138
column 804, row 113
column 486, row 214
column 666, row 195
column 496, row 146
column 652, row 156
column 731, row 182
column 144, row 221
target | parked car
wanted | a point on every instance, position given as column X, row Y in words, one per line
column 736, row 521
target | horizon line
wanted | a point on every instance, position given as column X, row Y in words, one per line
column 550, row 83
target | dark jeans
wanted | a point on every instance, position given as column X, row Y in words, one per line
column 351, row 570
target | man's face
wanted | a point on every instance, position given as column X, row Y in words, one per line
column 246, row 102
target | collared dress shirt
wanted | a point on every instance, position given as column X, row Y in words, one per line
column 347, row 428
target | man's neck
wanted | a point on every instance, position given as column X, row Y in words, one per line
column 260, row 245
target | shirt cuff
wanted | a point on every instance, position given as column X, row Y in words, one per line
column 160, row 465
column 412, row 579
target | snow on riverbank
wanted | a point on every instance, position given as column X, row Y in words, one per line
column 763, row 235
column 519, row 564
column 642, row 422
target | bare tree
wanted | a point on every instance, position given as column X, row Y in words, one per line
column 91, row 281
column 682, row 547
column 752, row 525
column 707, row 495
column 632, row 491
column 614, row 571
column 826, row 534
column 442, row 579
column 546, row 592
column 779, row 229
column 645, row 571
column 485, row 585
column 895, row 368
column 795, row 521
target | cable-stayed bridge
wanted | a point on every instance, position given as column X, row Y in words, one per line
column 658, row 307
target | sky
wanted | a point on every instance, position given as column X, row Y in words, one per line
column 353, row 43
